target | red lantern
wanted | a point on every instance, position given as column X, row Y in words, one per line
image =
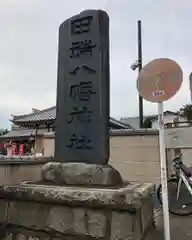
column 21, row 149
column 14, row 149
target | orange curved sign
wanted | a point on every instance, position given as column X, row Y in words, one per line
column 159, row 80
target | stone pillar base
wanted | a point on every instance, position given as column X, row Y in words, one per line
column 63, row 174
column 75, row 213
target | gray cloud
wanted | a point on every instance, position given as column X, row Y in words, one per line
column 28, row 49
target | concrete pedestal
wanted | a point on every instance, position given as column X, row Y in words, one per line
column 75, row 213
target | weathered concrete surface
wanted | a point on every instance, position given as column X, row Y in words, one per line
column 78, row 213
column 129, row 197
column 81, row 174
column 14, row 170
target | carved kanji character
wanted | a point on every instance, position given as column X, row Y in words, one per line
column 82, row 91
column 79, row 142
column 81, row 114
column 82, row 48
column 81, row 25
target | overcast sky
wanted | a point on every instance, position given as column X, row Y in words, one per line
column 28, row 49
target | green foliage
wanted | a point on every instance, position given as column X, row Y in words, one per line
column 186, row 111
column 147, row 123
column 4, row 132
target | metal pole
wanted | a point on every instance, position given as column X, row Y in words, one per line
column 163, row 172
column 190, row 85
column 139, row 69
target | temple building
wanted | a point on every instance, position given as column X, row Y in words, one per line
column 28, row 130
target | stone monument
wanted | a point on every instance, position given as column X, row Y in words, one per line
column 80, row 196
column 82, row 116
column 82, row 120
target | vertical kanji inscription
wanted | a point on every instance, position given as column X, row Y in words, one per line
column 83, row 89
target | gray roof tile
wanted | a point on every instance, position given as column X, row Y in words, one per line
column 50, row 114
column 22, row 133
column 46, row 114
column 134, row 121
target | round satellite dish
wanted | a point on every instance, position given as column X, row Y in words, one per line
column 159, row 80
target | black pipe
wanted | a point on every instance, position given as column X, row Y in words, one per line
column 139, row 69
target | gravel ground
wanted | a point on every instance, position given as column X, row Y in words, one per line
column 181, row 227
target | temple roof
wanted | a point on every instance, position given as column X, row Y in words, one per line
column 49, row 115
column 41, row 115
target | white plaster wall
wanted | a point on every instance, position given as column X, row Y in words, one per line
column 167, row 119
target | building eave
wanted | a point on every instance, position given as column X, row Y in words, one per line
column 48, row 116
